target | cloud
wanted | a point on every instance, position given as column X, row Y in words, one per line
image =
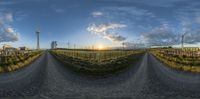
column 189, row 17
column 59, row 10
column 9, row 30
column 160, row 3
column 9, row 17
column 192, row 37
column 134, row 44
column 103, row 28
column 14, row 2
column 153, row 3
column 114, row 37
column 6, row 17
column 150, row 17
column 7, row 3
column 97, row 13
column 161, row 36
column 7, row 33
column 197, row 20
column 128, row 15
column 132, row 13
column 106, row 31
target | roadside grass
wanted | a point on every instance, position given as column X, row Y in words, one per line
column 183, row 61
column 110, row 67
column 13, row 66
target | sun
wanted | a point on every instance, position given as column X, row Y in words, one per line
column 100, row 47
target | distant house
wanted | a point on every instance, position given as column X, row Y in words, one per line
column 5, row 46
column 23, row 48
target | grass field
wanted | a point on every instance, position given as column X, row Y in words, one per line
column 97, row 62
column 17, row 60
column 187, row 59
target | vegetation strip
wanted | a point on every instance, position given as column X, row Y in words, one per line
column 180, row 59
column 97, row 67
column 17, row 61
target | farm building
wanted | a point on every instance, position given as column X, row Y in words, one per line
column 23, row 48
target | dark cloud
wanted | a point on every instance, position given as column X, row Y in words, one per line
column 192, row 37
column 161, row 36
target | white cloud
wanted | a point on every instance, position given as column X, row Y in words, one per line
column 106, row 31
column 102, row 28
column 9, row 30
column 114, row 37
column 7, row 34
column 97, row 13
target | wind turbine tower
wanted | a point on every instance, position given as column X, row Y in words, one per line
column 38, row 39
column 182, row 39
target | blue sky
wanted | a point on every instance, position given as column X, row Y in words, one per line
column 93, row 22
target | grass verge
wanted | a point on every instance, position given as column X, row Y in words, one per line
column 19, row 65
column 87, row 68
column 178, row 66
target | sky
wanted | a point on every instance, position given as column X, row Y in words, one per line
column 109, row 23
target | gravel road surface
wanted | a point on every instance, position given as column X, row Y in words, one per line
column 25, row 82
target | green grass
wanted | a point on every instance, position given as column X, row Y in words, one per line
column 111, row 66
column 17, row 61
column 180, row 59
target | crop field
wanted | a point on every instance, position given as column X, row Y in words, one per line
column 97, row 62
column 187, row 59
column 16, row 60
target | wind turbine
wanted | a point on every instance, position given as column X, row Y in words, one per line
column 182, row 39
column 68, row 44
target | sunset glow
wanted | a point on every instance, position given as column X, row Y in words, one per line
column 100, row 47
